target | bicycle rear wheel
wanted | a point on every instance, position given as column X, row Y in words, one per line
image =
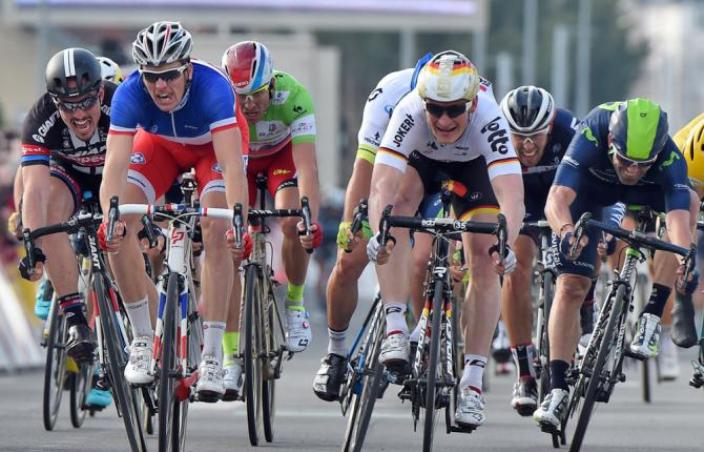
column 432, row 371
column 273, row 341
column 55, row 374
column 596, row 373
column 547, row 292
column 252, row 346
column 126, row 399
column 81, row 383
column 362, row 404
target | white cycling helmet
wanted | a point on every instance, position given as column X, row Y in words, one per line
column 162, row 43
column 449, row 76
column 528, row 109
column 110, row 70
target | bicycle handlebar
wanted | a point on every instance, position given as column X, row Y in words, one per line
column 307, row 219
column 361, row 213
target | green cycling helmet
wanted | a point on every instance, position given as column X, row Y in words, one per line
column 638, row 129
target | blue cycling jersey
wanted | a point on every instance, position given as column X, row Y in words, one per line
column 207, row 105
column 587, row 167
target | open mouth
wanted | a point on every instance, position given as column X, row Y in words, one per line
column 82, row 125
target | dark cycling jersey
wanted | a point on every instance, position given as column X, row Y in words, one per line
column 46, row 137
column 587, row 167
column 538, row 179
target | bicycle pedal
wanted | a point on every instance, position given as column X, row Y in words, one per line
column 549, row 428
column 697, row 380
column 208, row 396
column 627, row 352
column 463, row 428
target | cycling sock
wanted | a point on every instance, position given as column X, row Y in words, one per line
column 395, row 318
column 558, row 369
column 473, row 372
column 138, row 313
column 230, row 345
column 72, row 308
column 294, row 297
column 658, row 299
column 213, row 333
column 415, row 334
column 523, row 356
column 336, row 342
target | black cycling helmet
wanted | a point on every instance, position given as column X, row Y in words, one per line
column 74, row 63
column 528, row 109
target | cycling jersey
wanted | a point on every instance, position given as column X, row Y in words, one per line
column 208, row 105
column 587, row 164
column 289, row 118
column 46, row 137
column 486, row 136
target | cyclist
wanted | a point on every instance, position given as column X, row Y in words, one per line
column 622, row 152
column 342, row 284
column 540, row 133
column 281, row 119
column 63, row 143
column 441, row 131
column 187, row 114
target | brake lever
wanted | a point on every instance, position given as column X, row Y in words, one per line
column 307, row 221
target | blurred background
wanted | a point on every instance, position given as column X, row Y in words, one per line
column 584, row 51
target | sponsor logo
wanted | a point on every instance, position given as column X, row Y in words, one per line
column 188, row 126
column 45, row 127
column 137, row 158
column 432, row 144
column 153, row 129
column 498, row 138
column 476, row 195
column 670, row 160
column 403, row 130
column 298, row 109
column 589, row 135
column 280, row 97
column 374, row 94
column 567, row 160
column 389, row 109
column 280, row 172
column 216, row 167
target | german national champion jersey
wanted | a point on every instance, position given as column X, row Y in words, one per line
column 289, row 118
column 587, row 163
column 208, row 105
column 538, row 179
column 486, row 136
column 45, row 136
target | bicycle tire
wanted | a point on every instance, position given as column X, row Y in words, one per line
column 168, row 429
column 81, row 383
column 604, row 349
column 370, row 389
column 125, row 398
column 548, row 291
column 432, row 370
column 269, row 379
column 55, row 368
column 252, row 346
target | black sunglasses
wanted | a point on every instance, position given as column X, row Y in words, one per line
column 452, row 111
column 625, row 161
column 72, row 107
column 167, row 76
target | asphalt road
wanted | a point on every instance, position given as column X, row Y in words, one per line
column 672, row 422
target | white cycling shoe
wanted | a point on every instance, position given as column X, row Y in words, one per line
column 211, row 385
column 137, row 370
column 395, row 349
column 470, row 409
column 232, row 380
column 298, row 332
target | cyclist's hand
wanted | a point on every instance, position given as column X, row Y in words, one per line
column 242, row 253
column 690, row 285
column 118, row 234
column 606, row 246
column 566, row 243
column 457, row 273
column 36, row 273
column 507, row 264
column 345, row 239
column 312, row 241
column 14, row 225
column 160, row 241
column 378, row 254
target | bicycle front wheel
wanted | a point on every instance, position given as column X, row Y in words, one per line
column 81, row 383
column 168, row 419
column 252, row 347
column 273, row 338
column 432, row 371
column 55, row 374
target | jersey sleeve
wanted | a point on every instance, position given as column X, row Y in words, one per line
column 37, row 133
column 493, row 138
column 126, row 107
column 302, row 116
column 583, row 152
column 220, row 105
column 404, row 128
column 672, row 177
column 374, row 121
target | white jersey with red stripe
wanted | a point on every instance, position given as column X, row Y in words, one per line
column 486, row 136
column 207, row 105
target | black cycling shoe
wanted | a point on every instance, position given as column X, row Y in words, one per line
column 684, row 332
column 586, row 318
column 80, row 343
column 329, row 377
column 525, row 396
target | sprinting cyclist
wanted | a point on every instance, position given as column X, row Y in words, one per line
column 282, row 130
column 173, row 114
column 622, row 152
column 450, row 127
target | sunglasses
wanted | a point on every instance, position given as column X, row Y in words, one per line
column 625, row 161
column 452, row 111
column 532, row 135
column 72, row 107
column 168, row 75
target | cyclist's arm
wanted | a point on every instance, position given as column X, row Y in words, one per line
column 386, row 181
column 227, row 144
column 508, row 189
column 17, row 189
column 117, row 161
column 557, row 208
column 35, row 195
column 307, row 169
column 679, row 228
column 357, row 187
column 680, row 200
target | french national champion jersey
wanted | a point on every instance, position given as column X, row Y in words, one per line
column 45, row 136
column 290, row 118
column 486, row 136
column 208, row 105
